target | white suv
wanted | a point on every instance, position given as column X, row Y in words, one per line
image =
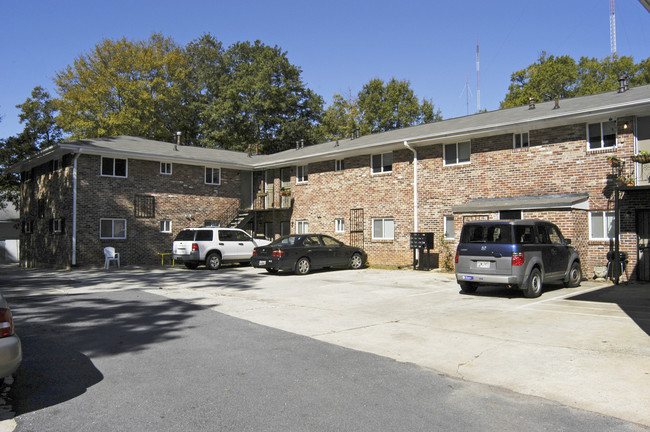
column 213, row 246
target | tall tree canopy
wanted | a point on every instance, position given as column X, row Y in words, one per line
column 41, row 131
column 553, row 77
column 378, row 107
column 124, row 87
column 254, row 95
column 245, row 95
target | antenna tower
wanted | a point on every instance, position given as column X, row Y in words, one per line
column 478, row 80
column 612, row 27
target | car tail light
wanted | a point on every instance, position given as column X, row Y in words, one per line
column 195, row 247
column 254, row 252
column 456, row 259
column 518, row 258
column 6, row 323
column 278, row 253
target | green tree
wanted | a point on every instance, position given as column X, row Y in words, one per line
column 596, row 76
column 378, row 107
column 38, row 113
column 40, row 132
column 553, row 77
column 125, row 88
column 549, row 78
column 254, row 95
column 341, row 118
column 393, row 105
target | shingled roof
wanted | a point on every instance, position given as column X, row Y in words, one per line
column 634, row 101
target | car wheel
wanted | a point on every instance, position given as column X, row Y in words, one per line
column 533, row 286
column 575, row 275
column 468, row 287
column 191, row 265
column 213, row 261
column 272, row 270
column 356, row 261
column 302, row 266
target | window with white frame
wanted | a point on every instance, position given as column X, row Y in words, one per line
column 339, row 165
column 449, row 227
column 57, row 225
column 302, row 227
column 301, row 173
column 112, row 228
column 520, row 140
column 166, row 168
column 601, row 225
column 383, row 229
column 114, row 167
column 212, row 176
column 166, row 226
column 339, row 225
column 382, row 163
column 457, row 153
column 601, row 135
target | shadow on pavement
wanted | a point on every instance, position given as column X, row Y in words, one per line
column 63, row 334
column 50, row 374
column 632, row 298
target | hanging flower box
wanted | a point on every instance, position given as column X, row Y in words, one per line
column 641, row 158
column 261, row 194
column 285, row 192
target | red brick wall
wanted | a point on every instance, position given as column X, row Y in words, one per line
column 43, row 247
column 182, row 197
column 329, row 195
column 557, row 162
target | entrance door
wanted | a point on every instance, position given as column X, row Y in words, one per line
column 643, row 242
column 269, row 188
column 356, row 227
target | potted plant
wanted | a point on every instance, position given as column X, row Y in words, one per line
column 614, row 161
column 285, row 191
column 642, row 157
column 625, row 180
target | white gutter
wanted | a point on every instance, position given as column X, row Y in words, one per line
column 74, row 207
column 415, row 186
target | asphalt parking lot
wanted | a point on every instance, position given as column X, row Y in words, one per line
column 585, row 347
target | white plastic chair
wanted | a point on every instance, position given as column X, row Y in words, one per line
column 111, row 255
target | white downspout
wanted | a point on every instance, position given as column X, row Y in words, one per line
column 415, row 186
column 74, row 207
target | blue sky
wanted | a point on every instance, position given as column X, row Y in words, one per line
column 339, row 44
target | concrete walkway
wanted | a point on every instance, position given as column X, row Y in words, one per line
column 586, row 347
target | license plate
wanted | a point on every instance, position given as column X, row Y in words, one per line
column 262, row 262
column 483, row 264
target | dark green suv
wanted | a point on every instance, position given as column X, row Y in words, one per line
column 524, row 254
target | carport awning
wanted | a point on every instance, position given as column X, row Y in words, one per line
column 569, row 201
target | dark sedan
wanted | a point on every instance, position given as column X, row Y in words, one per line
column 302, row 252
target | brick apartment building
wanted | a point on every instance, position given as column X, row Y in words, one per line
column 548, row 160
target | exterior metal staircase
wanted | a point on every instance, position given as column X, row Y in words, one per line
column 242, row 218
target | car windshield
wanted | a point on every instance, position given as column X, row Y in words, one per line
column 493, row 233
column 185, row 235
column 285, row 241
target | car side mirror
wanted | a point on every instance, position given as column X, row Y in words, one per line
column 567, row 242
